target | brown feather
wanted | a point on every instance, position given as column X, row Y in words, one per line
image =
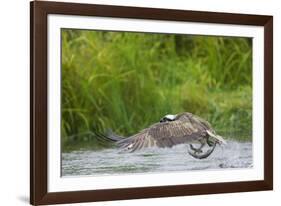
column 186, row 128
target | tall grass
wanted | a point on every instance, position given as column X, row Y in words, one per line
column 126, row 81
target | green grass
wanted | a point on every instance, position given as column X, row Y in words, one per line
column 127, row 81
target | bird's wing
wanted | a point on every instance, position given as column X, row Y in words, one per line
column 176, row 132
column 137, row 141
column 202, row 123
column 166, row 134
column 194, row 119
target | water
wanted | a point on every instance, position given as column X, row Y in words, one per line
column 114, row 161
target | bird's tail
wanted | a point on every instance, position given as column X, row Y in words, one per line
column 121, row 142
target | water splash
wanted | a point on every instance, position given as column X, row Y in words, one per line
column 150, row 160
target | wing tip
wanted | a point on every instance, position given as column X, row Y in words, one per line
column 217, row 137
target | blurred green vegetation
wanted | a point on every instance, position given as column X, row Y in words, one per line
column 126, row 81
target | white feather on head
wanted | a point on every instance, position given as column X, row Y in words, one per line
column 170, row 116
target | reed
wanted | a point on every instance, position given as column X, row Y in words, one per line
column 126, row 81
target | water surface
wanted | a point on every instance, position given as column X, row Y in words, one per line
column 113, row 161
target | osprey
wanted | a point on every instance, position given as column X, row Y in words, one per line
column 170, row 131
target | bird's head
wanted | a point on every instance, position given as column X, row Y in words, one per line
column 168, row 118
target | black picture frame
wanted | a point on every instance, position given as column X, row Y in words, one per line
column 38, row 107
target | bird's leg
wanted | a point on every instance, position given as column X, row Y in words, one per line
column 209, row 142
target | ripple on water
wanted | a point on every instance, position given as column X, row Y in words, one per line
column 113, row 161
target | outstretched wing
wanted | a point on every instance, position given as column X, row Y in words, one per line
column 137, row 141
column 186, row 128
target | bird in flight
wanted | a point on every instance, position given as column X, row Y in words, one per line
column 169, row 131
